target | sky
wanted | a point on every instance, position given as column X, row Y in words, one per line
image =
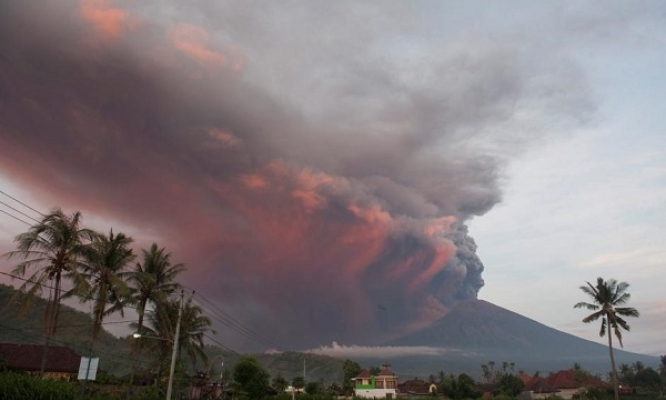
column 348, row 171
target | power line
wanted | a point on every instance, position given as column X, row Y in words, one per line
column 231, row 322
column 16, row 218
column 20, row 202
column 44, row 285
column 220, row 344
column 34, row 328
column 18, row 211
column 37, row 339
column 217, row 313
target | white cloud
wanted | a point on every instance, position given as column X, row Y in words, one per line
column 341, row 351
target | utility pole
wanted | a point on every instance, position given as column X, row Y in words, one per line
column 174, row 353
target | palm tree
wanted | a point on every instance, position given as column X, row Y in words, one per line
column 152, row 280
column 607, row 296
column 193, row 326
column 54, row 247
column 105, row 275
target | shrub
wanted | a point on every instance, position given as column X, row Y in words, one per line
column 17, row 386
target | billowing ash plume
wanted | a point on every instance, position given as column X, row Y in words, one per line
column 315, row 184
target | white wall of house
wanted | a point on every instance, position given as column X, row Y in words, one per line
column 375, row 393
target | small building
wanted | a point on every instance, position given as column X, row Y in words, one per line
column 382, row 385
column 564, row 384
column 61, row 362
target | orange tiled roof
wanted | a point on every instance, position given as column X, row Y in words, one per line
column 364, row 374
column 572, row 379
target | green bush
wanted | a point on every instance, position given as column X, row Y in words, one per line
column 15, row 386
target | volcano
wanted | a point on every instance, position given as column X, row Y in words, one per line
column 475, row 332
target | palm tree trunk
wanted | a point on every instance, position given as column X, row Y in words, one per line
column 612, row 357
column 51, row 318
column 136, row 351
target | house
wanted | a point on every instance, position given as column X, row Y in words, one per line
column 382, row 385
column 539, row 388
column 564, row 384
column 61, row 363
column 417, row 387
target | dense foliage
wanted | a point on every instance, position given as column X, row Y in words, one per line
column 14, row 386
column 251, row 379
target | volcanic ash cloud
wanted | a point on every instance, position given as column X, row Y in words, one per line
column 322, row 199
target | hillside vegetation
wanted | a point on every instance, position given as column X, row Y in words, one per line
column 74, row 332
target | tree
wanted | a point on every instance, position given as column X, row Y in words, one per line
column 334, row 390
column 298, row 382
column 251, row 377
column 152, row 281
column 510, row 385
column 607, row 297
column 280, row 384
column 662, row 370
column 314, row 387
column 105, row 277
column 55, row 247
column 465, row 388
column 351, row 369
column 626, row 375
column 193, row 326
column 648, row 379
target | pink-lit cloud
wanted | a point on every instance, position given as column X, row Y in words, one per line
column 194, row 42
column 109, row 21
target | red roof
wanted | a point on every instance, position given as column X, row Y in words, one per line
column 28, row 357
column 385, row 372
column 364, row 374
column 525, row 378
column 540, row 385
column 415, row 386
column 572, row 379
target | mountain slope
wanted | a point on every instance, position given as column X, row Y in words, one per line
column 477, row 331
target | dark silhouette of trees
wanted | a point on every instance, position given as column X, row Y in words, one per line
column 54, row 248
column 280, row 383
column 152, row 281
column 350, row 370
column 510, row 385
column 250, row 378
column 105, row 277
column 298, row 382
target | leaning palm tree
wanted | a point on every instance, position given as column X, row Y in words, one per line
column 607, row 297
column 105, row 277
column 54, row 249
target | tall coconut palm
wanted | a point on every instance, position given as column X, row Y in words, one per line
column 53, row 249
column 105, row 274
column 607, row 297
column 152, row 281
